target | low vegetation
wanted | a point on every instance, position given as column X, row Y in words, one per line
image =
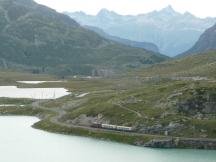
column 179, row 103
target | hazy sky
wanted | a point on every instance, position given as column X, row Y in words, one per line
column 201, row 8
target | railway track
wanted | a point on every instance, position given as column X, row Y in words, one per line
column 61, row 112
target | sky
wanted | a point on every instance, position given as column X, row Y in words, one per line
column 200, row 8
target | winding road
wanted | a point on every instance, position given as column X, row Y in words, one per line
column 61, row 111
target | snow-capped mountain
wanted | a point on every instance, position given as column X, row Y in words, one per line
column 171, row 31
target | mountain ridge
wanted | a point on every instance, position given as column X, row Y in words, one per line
column 171, row 31
column 145, row 45
column 206, row 42
column 37, row 38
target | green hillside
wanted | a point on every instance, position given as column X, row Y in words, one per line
column 175, row 98
column 37, row 38
column 202, row 65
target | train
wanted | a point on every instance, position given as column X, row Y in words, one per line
column 113, row 127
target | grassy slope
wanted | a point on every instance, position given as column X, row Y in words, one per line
column 140, row 102
column 196, row 65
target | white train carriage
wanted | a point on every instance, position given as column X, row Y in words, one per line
column 116, row 127
column 123, row 128
column 108, row 126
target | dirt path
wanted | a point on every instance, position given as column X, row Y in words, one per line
column 125, row 108
column 61, row 112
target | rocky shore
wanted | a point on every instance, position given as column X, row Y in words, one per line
column 182, row 143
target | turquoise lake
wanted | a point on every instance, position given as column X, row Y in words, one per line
column 19, row 142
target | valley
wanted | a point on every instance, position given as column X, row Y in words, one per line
column 164, row 103
column 78, row 80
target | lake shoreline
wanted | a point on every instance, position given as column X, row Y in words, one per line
column 148, row 140
column 50, row 121
column 145, row 140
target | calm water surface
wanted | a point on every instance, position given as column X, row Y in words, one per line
column 21, row 143
column 33, row 93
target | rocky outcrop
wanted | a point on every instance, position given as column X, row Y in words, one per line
column 200, row 101
column 160, row 129
column 167, row 143
column 182, row 143
column 197, row 143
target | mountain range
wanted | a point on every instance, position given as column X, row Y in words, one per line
column 144, row 45
column 37, row 38
column 172, row 32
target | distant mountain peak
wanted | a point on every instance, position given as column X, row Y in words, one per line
column 169, row 9
column 161, row 27
column 105, row 12
column 188, row 14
